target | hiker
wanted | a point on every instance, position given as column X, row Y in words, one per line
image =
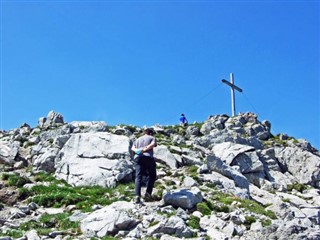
column 183, row 120
column 144, row 164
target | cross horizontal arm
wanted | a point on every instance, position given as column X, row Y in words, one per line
column 231, row 85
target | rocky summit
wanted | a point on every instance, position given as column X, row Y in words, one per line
column 224, row 178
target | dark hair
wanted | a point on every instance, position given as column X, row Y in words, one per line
column 148, row 131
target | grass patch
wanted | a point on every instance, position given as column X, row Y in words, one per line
column 45, row 177
column 204, row 207
column 250, row 205
column 249, row 220
column 58, row 195
column 15, row 179
column 46, row 222
column 256, row 208
column 297, row 186
column 105, row 238
column 194, row 222
column 12, row 233
column 193, row 172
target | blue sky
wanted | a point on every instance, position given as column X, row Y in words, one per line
column 146, row 62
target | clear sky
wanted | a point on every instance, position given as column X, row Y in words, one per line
column 146, row 62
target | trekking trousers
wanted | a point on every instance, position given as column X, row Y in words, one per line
column 145, row 165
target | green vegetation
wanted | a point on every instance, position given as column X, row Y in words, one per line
column 12, row 233
column 194, row 222
column 105, row 238
column 198, row 125
column 14, row 179
column 193, row 172
column 45, row 177
column 276, row 140
column 256, row 208
column 27, row 144
column 46, row 222
column 153, row 223
column 167, row 213
column 266, row 222
column 297, row 186
column 250, row 205
column 131, row 128
column 44, row 225
column 205, row 208
column 249, row 220
column 58, row 194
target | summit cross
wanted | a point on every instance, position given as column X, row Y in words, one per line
column 233, row 87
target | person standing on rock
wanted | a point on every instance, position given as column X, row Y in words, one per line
column 183, row 120
column 144, row 163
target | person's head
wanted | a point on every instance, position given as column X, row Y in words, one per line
column 148, row 131
column 182, row 115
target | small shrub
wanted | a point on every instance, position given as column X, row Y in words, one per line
column 5, row 176
column 211, row 185
column 204, row 208
column 193, row 171
column 297, row 186
column 194, row 222
column 17, row 181
column 153, row 223
column 15, row 234
column 221, row 208
column 249, row 220
column 266, row 222
column 170, row 182
column 27, row 144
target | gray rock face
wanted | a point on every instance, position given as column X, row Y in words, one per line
column 173, row 226
column 94, row 159
column 52, row 120
column 184, row 198
column 163, row 155
column 109, row 220
column 217, row 165
column 305, row 166
column 8, row 152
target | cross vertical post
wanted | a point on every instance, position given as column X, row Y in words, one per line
column 233, row 87
column 233, row 99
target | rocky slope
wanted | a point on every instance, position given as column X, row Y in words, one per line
column 225, row 178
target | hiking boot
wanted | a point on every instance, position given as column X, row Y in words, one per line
column 137, row 199
column 148, row 197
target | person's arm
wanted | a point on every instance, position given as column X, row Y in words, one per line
column 150, row 146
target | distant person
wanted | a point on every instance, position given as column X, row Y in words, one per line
column 144, row 164
column 183, row 120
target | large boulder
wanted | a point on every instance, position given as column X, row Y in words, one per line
column 53, row 119
column 94, row 159
column 163, row 155
column 109, row 220
column 184, row 198
column 172, row 226
column 8, row 152
column 304, row 165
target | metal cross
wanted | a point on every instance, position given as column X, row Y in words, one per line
column 233, row 87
